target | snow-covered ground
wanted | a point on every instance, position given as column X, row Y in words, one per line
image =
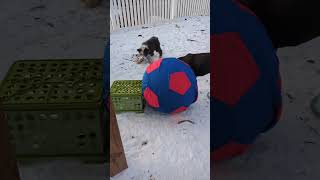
column 156, row 146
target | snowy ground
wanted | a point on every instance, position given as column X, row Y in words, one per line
column 156, row 146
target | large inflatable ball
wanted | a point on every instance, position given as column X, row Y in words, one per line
column 169, row 85
column 245, row 80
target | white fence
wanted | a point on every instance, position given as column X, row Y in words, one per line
column 126, row 13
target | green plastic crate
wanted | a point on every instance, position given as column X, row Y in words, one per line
column 127, row 96
column 54, row 108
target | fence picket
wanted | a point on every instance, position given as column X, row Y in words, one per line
column 127, row 13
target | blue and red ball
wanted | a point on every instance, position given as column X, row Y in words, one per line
column 169, row 85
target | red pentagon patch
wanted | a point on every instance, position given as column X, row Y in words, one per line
column 229, row 151
column 180, row 109
column 153, row 66
column 151, row 98
column 234, row 69
column 179, row 82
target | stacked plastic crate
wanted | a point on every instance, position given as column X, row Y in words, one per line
column 54, row 108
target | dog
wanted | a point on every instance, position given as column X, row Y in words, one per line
column 147, row 49
column 200, row 63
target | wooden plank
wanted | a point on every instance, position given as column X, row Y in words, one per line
column 132, row 16
column 148, row 11
column 151, row 11
column 119, row 8
column 187, row 8
column 128, row 13
column 124, row 14
column 161, row 5
column 184, row 7
column 118, row 160
column 178, row 8
column 116, row 14
column 135, row 12
column 8, row 165
column 194, row 4
column 208, row 7
column 145, row 15
column 139, row 12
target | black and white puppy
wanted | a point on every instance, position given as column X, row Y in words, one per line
column 147, row 49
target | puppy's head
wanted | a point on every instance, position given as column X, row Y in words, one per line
column 143, row 50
